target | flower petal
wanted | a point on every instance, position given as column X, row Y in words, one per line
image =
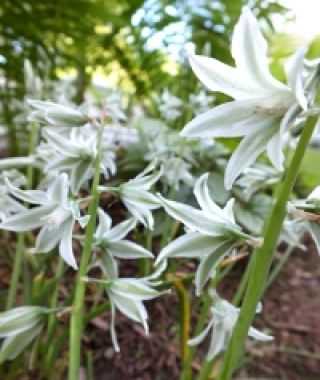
column 14, row 345
column 121, row 230
column 230, row 119
column 191, row 245
column 194, row 219
column 134, row 289
column 58, row 191
column 31, row 196
column 113, row 328
column 209, row 263
column 247, row 151
column 293, row 68
column 105, row 223
column 274, row 150
column 249, row 50
column 125, row 249
column 258, row 335
column 218, row 341
column 208, row 206
column 200, row 338
column 26, row 220
column 65, row 246
column 79, row 174
column 223, row 78
column 47, row 239
column 133, row 309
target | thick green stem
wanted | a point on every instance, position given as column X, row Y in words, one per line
column 264, row 254
column 145, row 265
column 78, row 306
column 184, row 326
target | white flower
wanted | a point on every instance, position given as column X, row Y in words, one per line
column 314, row 196
column 75, row 154
column 257, row 178
column 111, row 242
column 263, row 106
column 170, row 106
column 55, row 114
column 127, row 295
column 223, row 319
column 113, row 107
column 176, row 170
column 18, row 328
column 136, row 196
column 308, row 211
column 212, row 232
column 56, row 215
column 9, row 205
column 200, row 102
column 32, row 81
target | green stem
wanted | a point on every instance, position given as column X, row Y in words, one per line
column 264, row 255
column 145, row 266
column 17, row 265
column 89, row 366
column 78, row 306
column 52, row 322
column 243, row 284
column 206, row 369
column 167, row 222
column 184, row 327
column 274, row 273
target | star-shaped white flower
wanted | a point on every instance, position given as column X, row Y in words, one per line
column 127, row 295
column 136, row 196
column 212, row 233
column 112, row 245
column 75, row 154
column 223, row 319
column 263, row 106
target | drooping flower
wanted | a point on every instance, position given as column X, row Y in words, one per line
column 170, row 106
column 75, row 153
column 18, row 328
column 200, row 102
column 113, row 107
column 136, row 196
column 46, row 112
column 9, row 205
column 212, row 232
column 308, row 211
column 127, row 295
column 223, row 319
column 258, row 177
column 263, row 106
column 55, row 215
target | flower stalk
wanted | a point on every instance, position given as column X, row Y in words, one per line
column 264, row 255
column 76, row 326
column 184, row 326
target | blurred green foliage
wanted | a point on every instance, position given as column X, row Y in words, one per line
column 142, row 41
